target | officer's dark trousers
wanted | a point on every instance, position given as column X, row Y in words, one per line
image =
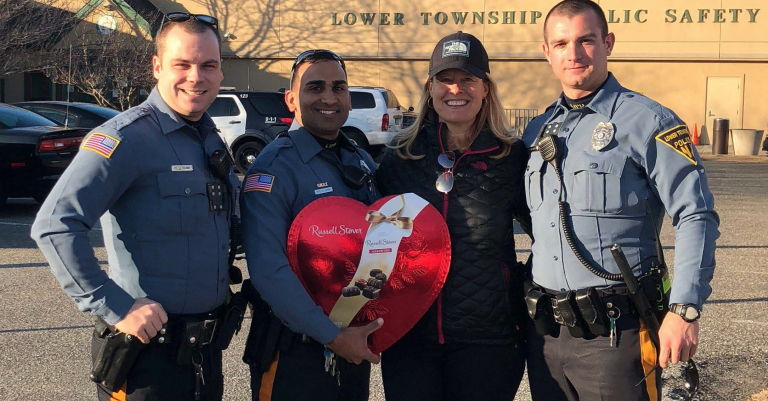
column 418, row 369
column 573, row 369
column 157, row 376
column 298, row 373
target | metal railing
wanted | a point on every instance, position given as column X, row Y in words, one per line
column 519, row 118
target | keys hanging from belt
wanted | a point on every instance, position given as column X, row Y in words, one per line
column 199, row 378
column 613, row 314
column 330, row 365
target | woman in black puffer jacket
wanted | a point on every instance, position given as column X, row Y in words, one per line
column 468, row 345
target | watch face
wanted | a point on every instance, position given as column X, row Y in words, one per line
column 691, row 313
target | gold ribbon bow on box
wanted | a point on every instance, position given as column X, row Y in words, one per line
column 376, row 217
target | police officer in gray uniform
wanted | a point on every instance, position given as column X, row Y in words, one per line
column 148, row 176
column 623, row 160
column 314, row 161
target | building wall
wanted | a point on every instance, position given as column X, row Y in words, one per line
column 665, row 49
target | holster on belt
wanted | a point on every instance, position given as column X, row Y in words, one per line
column 567, row 313
column 115, row 358
column 265, row 332
column 539, row 306
column 231, row 321
column 592, row 311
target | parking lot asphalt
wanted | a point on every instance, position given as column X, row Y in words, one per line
column 44, row 339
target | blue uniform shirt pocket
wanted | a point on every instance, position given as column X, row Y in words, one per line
column 534, row 181
column 184, row 203
column 596, row 186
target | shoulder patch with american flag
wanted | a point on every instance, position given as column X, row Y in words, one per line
column 102, row 144
column 259, row 182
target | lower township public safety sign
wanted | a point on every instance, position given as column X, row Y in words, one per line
column 532, row 17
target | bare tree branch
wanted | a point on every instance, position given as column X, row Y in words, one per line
column 28, row 27
column 112, row 68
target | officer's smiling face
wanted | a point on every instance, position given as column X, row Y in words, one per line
column 577, row 52
column 188, row 71
column 320, row 98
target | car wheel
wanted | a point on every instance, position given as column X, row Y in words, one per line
column 246, row 155
column 357, row 137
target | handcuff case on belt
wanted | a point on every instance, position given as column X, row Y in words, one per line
column 540, row 311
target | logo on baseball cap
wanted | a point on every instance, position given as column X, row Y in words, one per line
column 460, row 50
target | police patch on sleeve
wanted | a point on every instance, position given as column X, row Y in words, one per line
column 679, row 139
column 259, row 182
column 102, row 144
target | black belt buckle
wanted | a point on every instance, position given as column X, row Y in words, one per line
column 197, row 333
column 208, row 331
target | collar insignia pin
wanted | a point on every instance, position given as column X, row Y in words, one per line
column 602, row 136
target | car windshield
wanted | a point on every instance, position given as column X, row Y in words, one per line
column 12, row 117
column 100, row 111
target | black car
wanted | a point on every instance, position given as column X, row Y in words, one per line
column 33, row 153
column 248, row 121
column 77, row 115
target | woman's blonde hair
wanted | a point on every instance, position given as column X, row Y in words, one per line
column 491, row 114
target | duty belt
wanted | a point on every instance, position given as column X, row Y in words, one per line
column 586, row 312
column 612, row 298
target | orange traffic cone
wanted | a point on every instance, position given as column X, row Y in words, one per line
column 695, row 134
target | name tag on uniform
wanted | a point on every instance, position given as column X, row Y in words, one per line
column 323, row 190
column 181, row 167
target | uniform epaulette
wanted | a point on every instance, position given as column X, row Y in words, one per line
column 270, row 152
column 642, row 100
column 127, row 117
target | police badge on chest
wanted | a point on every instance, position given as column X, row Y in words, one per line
column 602, row 136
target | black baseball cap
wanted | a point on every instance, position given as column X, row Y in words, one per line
column 460, row 50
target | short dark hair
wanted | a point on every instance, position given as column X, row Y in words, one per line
column 315, row 58
column 190, row 26
column 572, row 8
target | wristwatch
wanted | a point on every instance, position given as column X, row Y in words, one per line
column 689, row 312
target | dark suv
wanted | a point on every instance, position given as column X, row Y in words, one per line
column 248, row 121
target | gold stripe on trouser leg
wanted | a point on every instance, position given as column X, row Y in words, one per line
column 268, row 380
column 119, row 395
column 649, row 358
